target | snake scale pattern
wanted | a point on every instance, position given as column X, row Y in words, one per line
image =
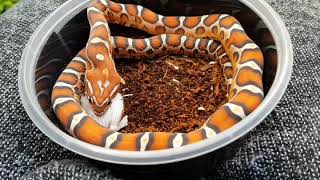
column 217, row 37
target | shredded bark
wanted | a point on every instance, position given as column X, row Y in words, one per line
column 170, row 94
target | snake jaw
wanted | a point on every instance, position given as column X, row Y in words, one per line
column 100, row 94
column 112, row 118
column 99, row 109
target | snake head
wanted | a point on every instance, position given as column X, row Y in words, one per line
column 100, row 87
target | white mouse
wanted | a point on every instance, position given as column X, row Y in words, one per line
column 113, row 118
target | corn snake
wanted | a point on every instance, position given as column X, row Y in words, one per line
column 240, row 56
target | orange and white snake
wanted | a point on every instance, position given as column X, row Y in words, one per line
column 216, row 36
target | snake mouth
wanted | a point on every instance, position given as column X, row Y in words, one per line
column 98, row 113
column 99, row 109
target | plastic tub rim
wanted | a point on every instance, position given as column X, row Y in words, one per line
column 66, row 11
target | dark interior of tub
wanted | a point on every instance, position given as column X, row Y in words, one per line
column 62, row 46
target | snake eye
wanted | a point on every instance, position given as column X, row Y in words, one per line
column 90, row 99
column 108, row 103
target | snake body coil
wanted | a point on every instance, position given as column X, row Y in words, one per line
column 238, row 54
